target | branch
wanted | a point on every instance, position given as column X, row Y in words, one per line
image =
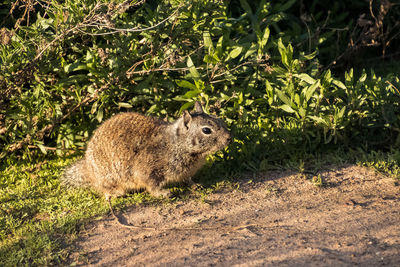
column 87, row 23
column 117, row 30
column 397, row 90
column 140, row 72
column 53, row 148
column 52, row 42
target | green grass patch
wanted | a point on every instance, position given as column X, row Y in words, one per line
column 39, row 218
column 384, row 162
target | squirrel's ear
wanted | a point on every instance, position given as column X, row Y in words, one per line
column 198, row 107
column 187, row 118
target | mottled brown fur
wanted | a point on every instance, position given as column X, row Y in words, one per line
column 131, row 151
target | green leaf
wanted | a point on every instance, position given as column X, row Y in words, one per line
column 74, row 67
column 200, row 85
column 309, row 56
column 284, row 53
column 42, row 148
column 305, row 77
column 89, row 56
column 268, row 86
column 265, row 37
column 209, row 59
column 225, row 97
column 152, row 109
column 287, row 108
column 99, row 115
column 192, row 69
column 186, row 84
column 318, row 119
column 281, row 47
column 192, row 93
column 339, row 84
column 297, row 99
column 309, row 91
column 289, row 50
column 363, row 77
column 124, row 105
column 283, row 97
column 302, row 112
column 219, row 46
column 215, row 58
column 349, row 75
column 185, row 106
column 180, row 98
column 341, row 112
column 327, row 76
column 207, row 41
column 251, row 50
column 235, row 52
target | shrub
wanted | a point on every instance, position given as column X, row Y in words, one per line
column 73, row 64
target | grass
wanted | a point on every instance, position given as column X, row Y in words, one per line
column 40, row 219
column 387, row 163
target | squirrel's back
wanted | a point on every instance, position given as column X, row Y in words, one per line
column 130, row 127
column 120, row 136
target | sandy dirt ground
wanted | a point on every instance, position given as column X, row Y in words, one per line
column 278, row 218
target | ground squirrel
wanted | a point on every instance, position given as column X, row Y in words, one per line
column 131, row 151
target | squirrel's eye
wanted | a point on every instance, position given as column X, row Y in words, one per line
column 206, row 130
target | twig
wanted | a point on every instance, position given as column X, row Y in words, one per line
column 116, row 30
column 238, row 66
column 162, row 69
column 52, row 148
column 45, row 147
column 85, row 23
column 129, row 226
column 130, row 71
column 53, row 41
column 140, row 72
column 397, row 90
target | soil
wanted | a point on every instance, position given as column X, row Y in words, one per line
column 279, row 218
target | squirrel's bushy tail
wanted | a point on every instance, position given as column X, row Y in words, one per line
column 74, row 175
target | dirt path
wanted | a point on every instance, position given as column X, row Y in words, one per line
column 278, row 219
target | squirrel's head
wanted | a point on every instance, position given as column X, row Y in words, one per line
column 202, row 133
